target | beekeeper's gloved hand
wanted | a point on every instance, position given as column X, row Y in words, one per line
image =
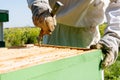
column 43, row 19
column 110, row 42
column 109, row 56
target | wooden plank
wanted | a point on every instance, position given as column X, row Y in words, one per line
column 16, row 58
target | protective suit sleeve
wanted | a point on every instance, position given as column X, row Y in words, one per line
column 111, row 38
column 41, row 5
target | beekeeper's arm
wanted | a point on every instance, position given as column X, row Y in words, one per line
column 41, row 12
column 111, row 40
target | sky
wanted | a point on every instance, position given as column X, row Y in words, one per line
column 19, row 13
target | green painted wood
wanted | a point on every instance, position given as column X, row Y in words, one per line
column 2, row 44
column 4, row 16
column 81, row 67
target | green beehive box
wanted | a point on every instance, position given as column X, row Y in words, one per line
column 4, row 15
column 50, row 63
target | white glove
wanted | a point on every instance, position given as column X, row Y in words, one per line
column 109, row 56
column 43, row 20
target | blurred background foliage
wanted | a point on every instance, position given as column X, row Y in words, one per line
column 20, row 36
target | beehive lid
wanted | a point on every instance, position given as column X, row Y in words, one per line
column 15, row 58
column 4, row 15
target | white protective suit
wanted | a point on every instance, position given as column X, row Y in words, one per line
column 78, row 22
column 78, row 13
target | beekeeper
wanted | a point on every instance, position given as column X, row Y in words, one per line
column 77, row 24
